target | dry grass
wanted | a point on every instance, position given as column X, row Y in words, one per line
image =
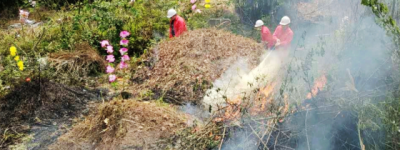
column 186, row 65
column 121, row 124
column 79, row 63
column 199, row 137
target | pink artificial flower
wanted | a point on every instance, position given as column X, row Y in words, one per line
column 124, row 42
column 110, row 58
column 112, row 78
column 125, row 58
column 192, row 1
column 110, row 49
column 123, row 65
column 110, row 69
column 198, row 11
column 24, row 14
column 104, row 43
column 194, row 7
column 124, row 34
column 123, row 51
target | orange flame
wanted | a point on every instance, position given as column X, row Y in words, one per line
column 232, row 111
column 318, row 85
column 285, row 109
column 264, row 97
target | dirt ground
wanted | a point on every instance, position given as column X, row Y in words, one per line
column 42, row 109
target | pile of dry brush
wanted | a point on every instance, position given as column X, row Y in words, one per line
column 122, row 125
column 185, row 66
column 77, row 65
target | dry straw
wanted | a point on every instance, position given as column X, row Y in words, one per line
column 196, row 56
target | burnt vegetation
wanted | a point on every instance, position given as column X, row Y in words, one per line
column 41, row 102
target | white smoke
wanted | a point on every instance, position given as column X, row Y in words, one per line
column 238, row 80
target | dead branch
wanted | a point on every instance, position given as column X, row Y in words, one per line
column 305, row 122
column 258, row 136
column 222, row 140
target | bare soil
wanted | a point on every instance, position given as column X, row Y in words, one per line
column 41, row 107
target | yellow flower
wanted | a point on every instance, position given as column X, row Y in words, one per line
column 207, row 5
column 208, row 1
column 16, row 58
column 20, row 65
column 13, row 51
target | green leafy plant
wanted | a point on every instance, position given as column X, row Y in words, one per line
column 86, row 22
column 390, row 108
column 104, row 19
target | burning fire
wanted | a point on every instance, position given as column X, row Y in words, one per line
column 318, row 85
column 263, row 99
column 232, row 111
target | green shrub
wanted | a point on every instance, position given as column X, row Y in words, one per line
column 83, row 23
column 104, row 20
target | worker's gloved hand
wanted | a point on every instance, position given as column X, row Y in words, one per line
column 278, row 42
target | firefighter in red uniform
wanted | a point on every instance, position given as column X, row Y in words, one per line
column 267, row 39
column 177, row 24
column 284, row 36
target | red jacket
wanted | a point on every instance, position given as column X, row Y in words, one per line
column 266, row 36
column 284, row 36
column 179, row 26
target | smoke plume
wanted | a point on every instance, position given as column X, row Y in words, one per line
column 339, row 39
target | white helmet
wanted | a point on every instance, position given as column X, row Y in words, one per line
column 171, row 13
column 259, row 23
column 285, row 20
